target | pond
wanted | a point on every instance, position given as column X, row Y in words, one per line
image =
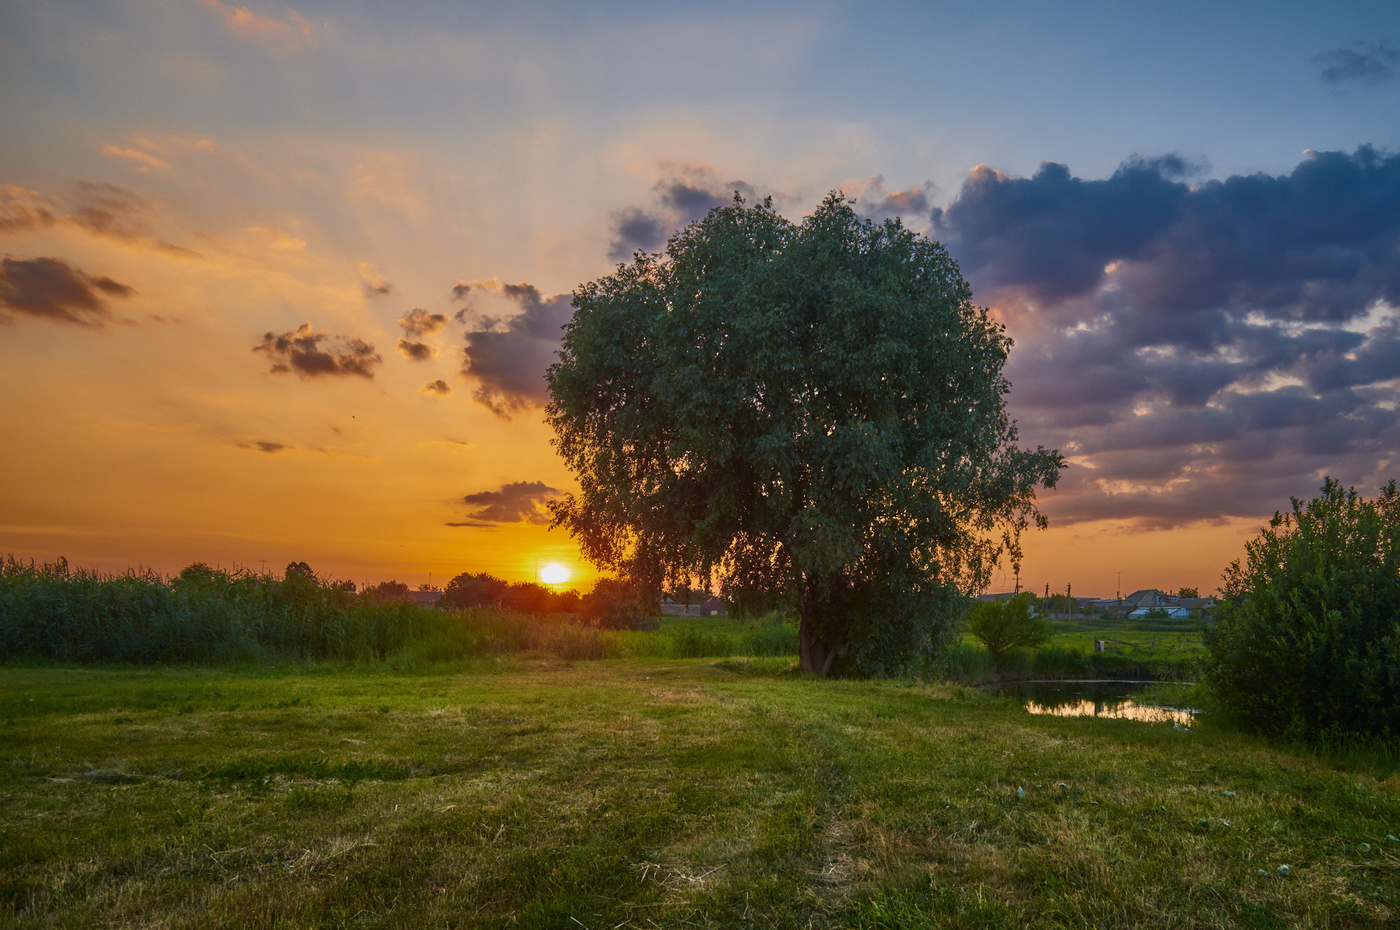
column 1093, row 699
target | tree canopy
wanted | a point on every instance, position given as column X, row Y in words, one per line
column 811, row 408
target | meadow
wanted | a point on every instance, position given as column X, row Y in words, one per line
column 222, row 752
column 526, row 790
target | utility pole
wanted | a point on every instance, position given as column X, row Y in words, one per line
column 1069, row 601
column 1047, row 598
column 1119, row 595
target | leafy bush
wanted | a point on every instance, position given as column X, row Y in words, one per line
column 1004, row 626
column 618, row 605
column 1307, row 641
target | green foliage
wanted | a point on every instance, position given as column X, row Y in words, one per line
column 1188, row 592
column 1306, row 643
column 619, row 605
column 1003, row 626
column 814, row 411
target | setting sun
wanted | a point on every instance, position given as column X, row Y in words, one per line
column 554, row 573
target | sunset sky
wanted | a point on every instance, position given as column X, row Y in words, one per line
column 281, row 283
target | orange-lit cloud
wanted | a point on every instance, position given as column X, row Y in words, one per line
column 437, row 388
column 293, row 33
column 22, row 210
column 142, row 162
column 416, row 351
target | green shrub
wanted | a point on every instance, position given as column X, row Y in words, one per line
column 1307, row 641
column 1004, row 626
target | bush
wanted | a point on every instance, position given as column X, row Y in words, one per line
column 1307, row 641
column 618, row 605
column 1007, row 625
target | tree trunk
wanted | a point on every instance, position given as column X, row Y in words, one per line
column 814, row 653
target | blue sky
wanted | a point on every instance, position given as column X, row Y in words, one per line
column 238, row 172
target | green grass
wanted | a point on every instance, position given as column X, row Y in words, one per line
column 536, row 792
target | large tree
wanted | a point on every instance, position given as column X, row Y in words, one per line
column 815, row 409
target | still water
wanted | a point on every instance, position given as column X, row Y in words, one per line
column 1093, row 699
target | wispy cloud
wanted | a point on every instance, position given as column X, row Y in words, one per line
column 437, row 388
column 292, row 33
column 300, row 350
column 51, row 289
column 1368, row 63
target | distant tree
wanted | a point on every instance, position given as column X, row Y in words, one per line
column 1306, row 641
column 619, row 605
column 814, row 411
column 474, row 589
column 387, row 591
column 1156, row 613
column 1008, row 624
column 1188, row 592
column 199, row 573
column 299, row 572
column 527, row 598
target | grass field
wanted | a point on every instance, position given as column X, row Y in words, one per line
column 639, row 792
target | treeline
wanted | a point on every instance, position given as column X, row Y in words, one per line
column 612, row 604
column 50, row 612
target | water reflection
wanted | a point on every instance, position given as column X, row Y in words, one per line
column 1125, row 710
column 1093, row 699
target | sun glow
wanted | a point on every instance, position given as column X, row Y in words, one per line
column 554, row 573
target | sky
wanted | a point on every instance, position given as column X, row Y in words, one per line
column 281, row 282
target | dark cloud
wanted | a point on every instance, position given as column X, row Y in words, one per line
column 460, row 290
column 518, row 501
column 300, row 350
column 684, row 197
column 507, row 357
column 438, row 388
column 421, row 323
column 416, row 351
column 1200, row 351
column 1369, row 63
column 264, row 446
column 52, row 289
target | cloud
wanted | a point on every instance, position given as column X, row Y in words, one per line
column 23, row 210
column 291, row 34
column 685, row 196
column 1199, row 350
column 264, row 446
column 516, row 502
column 1369, row 63
column 300, row 350
column 416, row 351
column 507, row 358
column 912, row 205
column 141, row 162
column 52, row 289
column 422, row 323
column 438, row 388
column 374, row 283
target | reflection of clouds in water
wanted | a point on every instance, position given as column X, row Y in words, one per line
column 1144, row 713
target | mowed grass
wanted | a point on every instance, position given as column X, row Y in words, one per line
column 637, row 793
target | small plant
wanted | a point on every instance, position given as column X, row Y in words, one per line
column 1003, row 626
